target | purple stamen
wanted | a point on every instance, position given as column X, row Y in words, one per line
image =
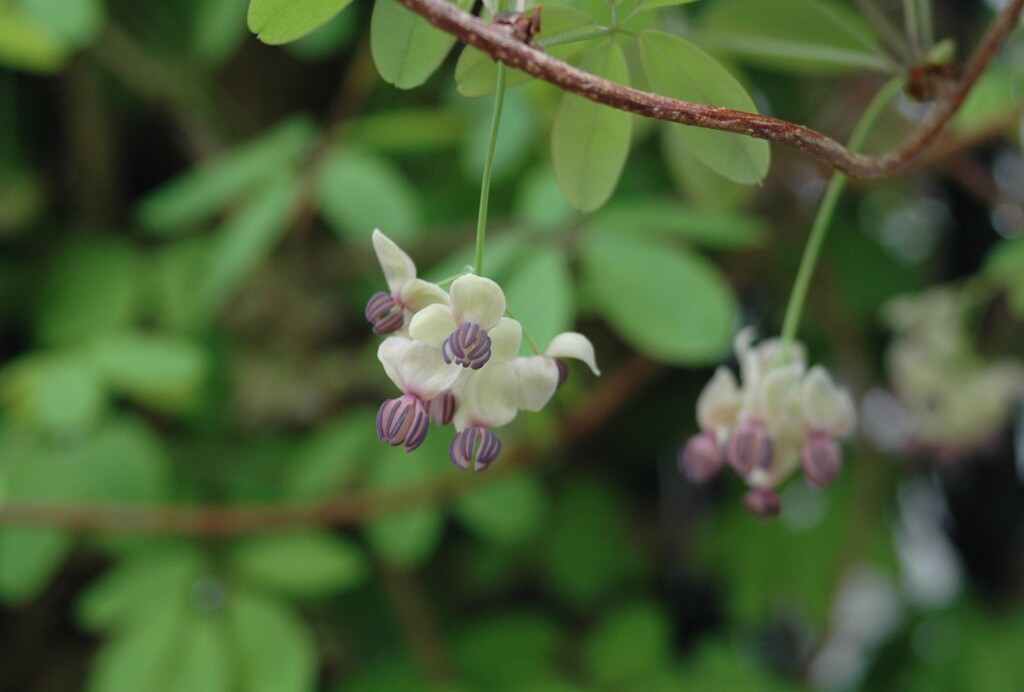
column 403, row 421
column 384, row 313
column 563, row 372
column 442, row 407
column 749, row 447
column 467, row 454
column 701, row 458
column 821, row 459
column 468, row 346
column 764, row 502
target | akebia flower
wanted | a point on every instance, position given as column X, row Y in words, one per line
column 539, row 376
column 488, row 399
column 473, row 328
column 386, row 311
column 778, row 417
column 421, row 376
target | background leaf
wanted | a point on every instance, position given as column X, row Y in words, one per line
column 301, row 563
column 406, row 48
column 281, row 21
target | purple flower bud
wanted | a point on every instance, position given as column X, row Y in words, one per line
column 468, row 346
column 474, row 443
column 403, row 421
column 701, row 458
column 764, row 502
column 821, row 458
column 749, row 447
column 442, row 407
column 563, row 372
column 384, row 313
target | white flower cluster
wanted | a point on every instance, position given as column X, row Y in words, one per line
column 780, row 415
column 955, row 401
column 454, row 356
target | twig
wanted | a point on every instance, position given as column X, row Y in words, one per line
column 502, row 46
column 608, row 396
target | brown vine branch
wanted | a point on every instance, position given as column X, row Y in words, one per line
column 612, row 392
column 498, row 43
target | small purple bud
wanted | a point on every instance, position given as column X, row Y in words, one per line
column 821, row 458
column 563, row 372
column 384, row 313
column 749, row 447
column 442, row 407
column 764, row 502
column 478, row 443
column 701, row 458
column 468, row 346
column 403, row 421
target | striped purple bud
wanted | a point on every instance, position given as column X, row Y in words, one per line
column 749, row 447
column 563, row 372
column 403, row 421
column 701, row 458
column 442, row 407
column 468, row 346
column 764, row 502
column 384, row 313
column 479, row 444
column 821, row 458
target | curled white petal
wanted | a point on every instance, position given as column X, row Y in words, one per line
column 397, row 266
column 574, row 345
column 775, row 400
column 490, row 397
column 432, row 325
column 424, row 372
column 477, row 300
column 825, row 405
column 506, row 337
column 389, row 353
column 418, row 294
column 537, row 379
column 720, row 401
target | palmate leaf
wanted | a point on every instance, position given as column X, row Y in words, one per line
column 679, row 69
column 590, row 141
column 281, row 21
column 405, row 47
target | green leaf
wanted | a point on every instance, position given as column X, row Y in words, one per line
column 405, row 131
column 280, row 21
column 177, row 269
column 477, row 75
column 58, row 394
column 218, row 27
column 541, row 295
column 696, row 180
column 275, row 651
column 299, row 563
column 90, row 288
column 516, row 141
column 28, row 558
column 1003, row 265
column 245, row 240
column 589, row 141
column 994, row 98
column 629, row 642
column 25, row 45
column 800, row 36
column 328, row 40
column 360, row 192
column 75, row 23
column 331, row 458
column 405, row 47
column 195, row 197
column 668, row 303
column 512, row 651
column 539, row 202
column 648, row 5
column 203, row 662
column 679, row 69
column 722, row 230
column 507, row 512
column 158, row 370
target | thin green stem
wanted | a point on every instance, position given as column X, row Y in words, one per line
column 485, row 184
column 824, row 216
column 924, row 11
column 529, row 339
column 910, row 26
column 448, row 279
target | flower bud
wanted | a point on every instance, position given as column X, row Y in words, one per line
column 749, row 447
column 384, row 313
column 764, row 502
column 403, row 421
column 701, row 459
column 821, row 458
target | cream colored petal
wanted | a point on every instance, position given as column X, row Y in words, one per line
column 776, row 399
column 389, row 353
column 424, row 371
column 538, row 379
column 432, row 325
column 490, row 397
column 506, row 337
column 574, row 345
column 743, row 346
column 398, row 267
column 825, row 405
column 720, row 401
column 418, row 294
column 477, row 300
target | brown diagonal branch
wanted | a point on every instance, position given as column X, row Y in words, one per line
column 497, row 42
